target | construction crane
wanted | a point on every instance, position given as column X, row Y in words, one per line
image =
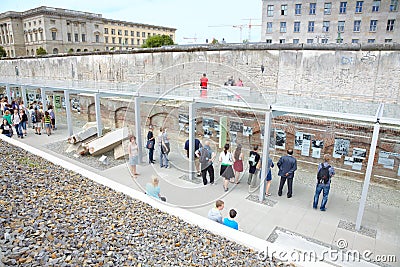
column 191, row 38
column 240, row 27
column 250, row 25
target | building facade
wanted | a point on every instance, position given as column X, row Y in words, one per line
column 123, row 35
column 62, row 31
column 331, row 21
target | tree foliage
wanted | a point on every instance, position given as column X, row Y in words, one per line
column 158, row 41
column 3, row 52
column 41, row 51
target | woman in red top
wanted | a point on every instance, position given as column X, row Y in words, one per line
column 203, row 85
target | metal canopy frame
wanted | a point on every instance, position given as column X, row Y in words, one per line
column 130, row 90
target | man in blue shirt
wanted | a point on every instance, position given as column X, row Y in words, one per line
column 287, row 166
column 231, row 222
column 323, row 185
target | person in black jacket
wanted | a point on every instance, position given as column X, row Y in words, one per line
column 150, row 144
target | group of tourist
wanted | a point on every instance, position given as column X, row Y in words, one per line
column 231, row 166
column 204, row 84
column 16, row 117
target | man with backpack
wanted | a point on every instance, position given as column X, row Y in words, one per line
column 206, row 158
column 324, row 175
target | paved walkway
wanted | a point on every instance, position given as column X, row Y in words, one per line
column 283, row 220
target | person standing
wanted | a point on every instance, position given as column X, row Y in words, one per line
column 238, row 162
column 226, row 169
column 53, row 117
column 206, row 158
column 268, row 179
column 24, row 121
column 163, row 149
column 324, row 175
column 133, row 152
column 151, row 140
column 287, row 166
column 203, row 85
column 215, row 213
column 6, row 129
column 166, row 141
column 38, row 121
column 254, row 158
column 16, row 122
column 197, row 146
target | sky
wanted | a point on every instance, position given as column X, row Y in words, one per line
column 195, row 21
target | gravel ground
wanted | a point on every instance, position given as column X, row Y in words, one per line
column 53, row 217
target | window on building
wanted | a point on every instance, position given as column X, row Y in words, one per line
column 342, row 7
column 138, row 42
column 105, row 30
column 268, row 41
column 143, row 34
column 327, row 8
column 313, row 7
column 132, row 41
column 113, row 40
column 76, row 37
column 339, row 41
column 137, row 34
column 296, row 26
column 41, row 36
column 83, row 37
column 34, row 23
column 270, row 10
column 269, row 27
column 106, row 39
column 310, row 41
column 126, row 41
column 283, row 10
column 324, row 41
column 52, row 21
column 340, row 26
column 325, row 26
column 69, row 37
column 359, row 5
column 282, row 41
column 354, row 41
column 373, row 25
column 297, row 10
column 393, row 5
column 375, row 5
column 113, row 31
column 119, row 32
column 97, row 38
column 357, row 25
column 132, row 33
column 53, row 36
column 390, row 25
column 120, row 40
column 96, row 26
column 388, row 40
column 148, row 34
column 295, row 41
column 371, row 41
column 311, row 26
column 283, row 27
column 126, row 32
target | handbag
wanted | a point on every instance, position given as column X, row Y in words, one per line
column 149, row 144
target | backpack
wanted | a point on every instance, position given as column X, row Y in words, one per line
column 33, row 117
column 204, row 156
column 323, row 174
column 252, row 160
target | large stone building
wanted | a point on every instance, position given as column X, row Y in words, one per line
column 123, row 35
column 61, row 31
column 330, row 21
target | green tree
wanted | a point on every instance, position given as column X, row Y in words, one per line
column 214, row 41
column 41, row 51
column 3, row 52
column 158, row 41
